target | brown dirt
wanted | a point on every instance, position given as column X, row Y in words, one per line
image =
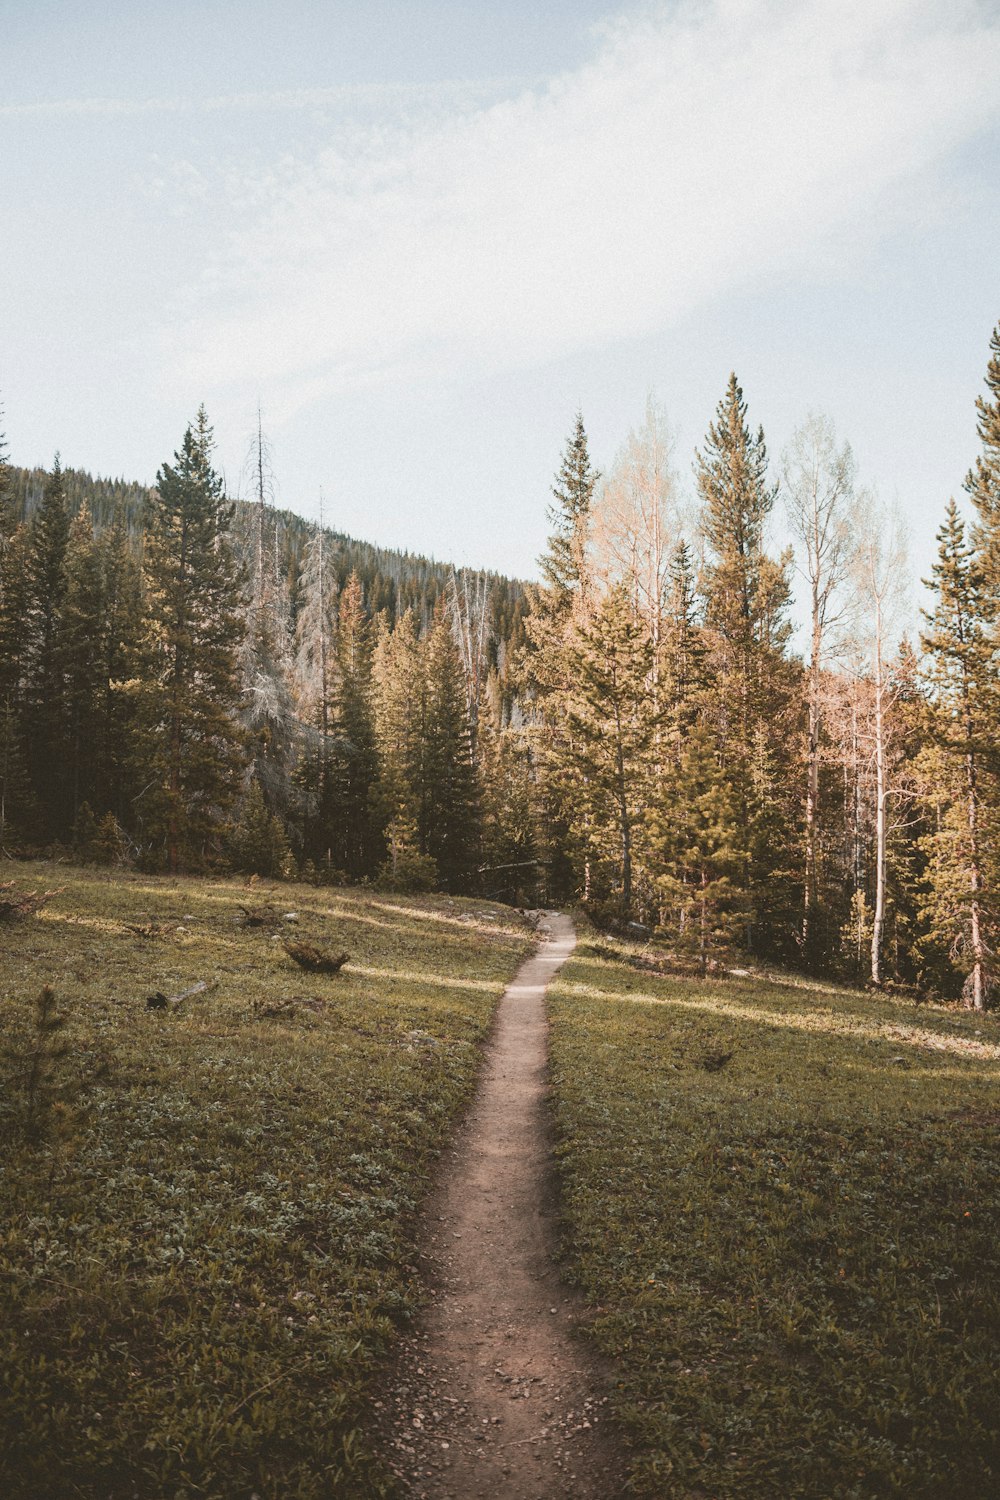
column 497, row 1394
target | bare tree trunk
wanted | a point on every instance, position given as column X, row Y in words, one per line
column 975, row 881
column 878, row 921
column 811, row 882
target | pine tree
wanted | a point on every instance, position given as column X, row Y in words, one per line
column 746, row 602
column 983, row 485
column 449, row 803
column 15, row 796
column 685, row 670
column 696, row 842
column 604, row 761
column 549, row 628
column 193, row 742
column 960, row 767
column 83, row 626
column 564, row 564
column 45, row 709
column 8, row 520
column 121, row 666
column 353, row 763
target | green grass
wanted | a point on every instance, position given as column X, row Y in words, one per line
column 795, row 1259
column 207, row 1214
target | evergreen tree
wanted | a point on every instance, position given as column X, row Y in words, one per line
column 983, row 485
column 121, row 665
column 960, row 767
column 83, row 625
column 192, row 739
column 605, row 760
column 549, row 629
column 698, row 854
column 14, row 597
column 353, row 763
column 564, row 566
column 685, row 671
column 258, row 843
column 449, row 804
column 8, row 521
column 45, row 709
column 746, row 602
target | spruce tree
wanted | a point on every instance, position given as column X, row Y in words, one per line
column 8, row 523
column 83, row 624
column 353, row 763
column 747, row 631
column 563, row 565
column 698, row 856
column 121, row 668
column 960, row 765
column 983, row 485
column 14, row 598
column 605, row 759
column 45, row 707
column 449, row 821
column 193, row 744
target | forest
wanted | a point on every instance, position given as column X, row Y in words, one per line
column 193, row 683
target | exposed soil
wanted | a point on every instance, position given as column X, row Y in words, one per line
column 497, row 1394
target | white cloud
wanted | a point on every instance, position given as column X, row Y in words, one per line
column 705, row 144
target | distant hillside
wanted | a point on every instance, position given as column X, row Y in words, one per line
column 392, row 581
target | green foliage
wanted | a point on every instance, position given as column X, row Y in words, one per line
column 781, row 1199
column 196, row 1298
column 258, row 843
column 698, row 853
column 406, row 867
column 563, row 565
column 191, row 741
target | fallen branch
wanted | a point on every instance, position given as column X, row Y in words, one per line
column 14, row 904
column 314, row 960
column 160, row 1001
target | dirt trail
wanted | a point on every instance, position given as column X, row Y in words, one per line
column 495, row 1396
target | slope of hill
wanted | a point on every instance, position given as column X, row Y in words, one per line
column 392, row 580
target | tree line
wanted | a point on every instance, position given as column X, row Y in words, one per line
column 189, row 683
column 837, row 809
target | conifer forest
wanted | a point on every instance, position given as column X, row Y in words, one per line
column 193, row 683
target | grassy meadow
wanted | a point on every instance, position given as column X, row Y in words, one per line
column 207, row 1210
column 783, row 1200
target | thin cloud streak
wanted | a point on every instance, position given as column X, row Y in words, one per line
column 702, row 147
column 362, row 97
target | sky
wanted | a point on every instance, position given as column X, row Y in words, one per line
column 422, row 235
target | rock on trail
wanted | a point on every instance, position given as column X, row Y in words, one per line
column 494, row 1395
